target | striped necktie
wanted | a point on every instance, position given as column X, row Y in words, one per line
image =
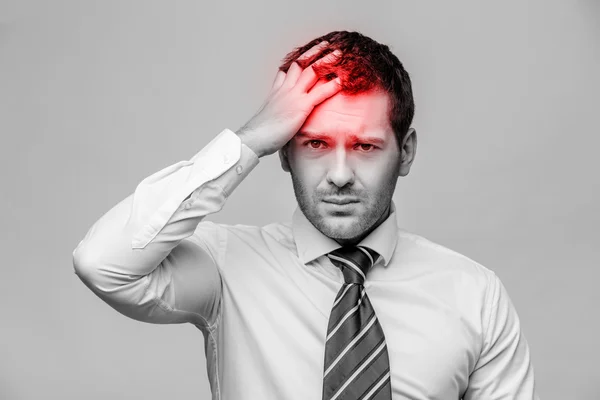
column 356, row 357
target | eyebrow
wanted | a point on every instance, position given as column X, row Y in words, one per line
column 325, row 137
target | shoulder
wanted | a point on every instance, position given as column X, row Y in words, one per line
column 423, row 255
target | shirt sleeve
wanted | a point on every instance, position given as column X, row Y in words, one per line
column 504, row 369
column 151, row 257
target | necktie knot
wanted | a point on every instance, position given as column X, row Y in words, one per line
column 354, row 261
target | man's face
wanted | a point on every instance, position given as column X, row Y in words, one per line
column 344, row 164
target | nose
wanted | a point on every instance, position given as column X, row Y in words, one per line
column 340, row 172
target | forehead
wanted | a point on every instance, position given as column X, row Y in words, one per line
column 352, row 114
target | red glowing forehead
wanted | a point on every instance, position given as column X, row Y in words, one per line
column 344, row 116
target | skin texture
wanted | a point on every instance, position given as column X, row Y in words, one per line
column 337, row 164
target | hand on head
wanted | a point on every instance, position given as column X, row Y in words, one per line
column 292, row 98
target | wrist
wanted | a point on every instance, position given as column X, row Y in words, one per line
column 248, row 139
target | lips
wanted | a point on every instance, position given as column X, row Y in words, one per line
column 340, row 200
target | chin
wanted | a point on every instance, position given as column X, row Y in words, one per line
column 342, row 225
column 339, row 227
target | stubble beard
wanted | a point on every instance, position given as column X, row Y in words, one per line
column 355, row 230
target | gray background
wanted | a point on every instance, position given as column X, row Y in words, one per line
column 95, row 96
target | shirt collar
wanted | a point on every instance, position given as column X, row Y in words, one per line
column 312, row 244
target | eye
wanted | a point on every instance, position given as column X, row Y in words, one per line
column 315, row 144
column 366, row 147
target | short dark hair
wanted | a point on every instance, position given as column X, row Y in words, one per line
column 365, row 65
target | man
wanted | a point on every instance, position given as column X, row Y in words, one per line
column 338, row 304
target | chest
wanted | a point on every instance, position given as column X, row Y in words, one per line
column 274, row 326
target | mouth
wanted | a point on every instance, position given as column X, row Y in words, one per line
column 340, row 201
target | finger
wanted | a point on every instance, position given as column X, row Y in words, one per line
column 295, row 68
column 279, row 78
column 313, row 51
column 308, row 77
column 333, row 56
column 322, row 92
column 292, row 75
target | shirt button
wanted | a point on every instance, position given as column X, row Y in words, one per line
column 239, row 169
column 188, row 206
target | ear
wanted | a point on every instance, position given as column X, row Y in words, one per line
column 283, row 157
column 408, row 151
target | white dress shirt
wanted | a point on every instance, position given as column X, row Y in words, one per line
column 261, row 296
